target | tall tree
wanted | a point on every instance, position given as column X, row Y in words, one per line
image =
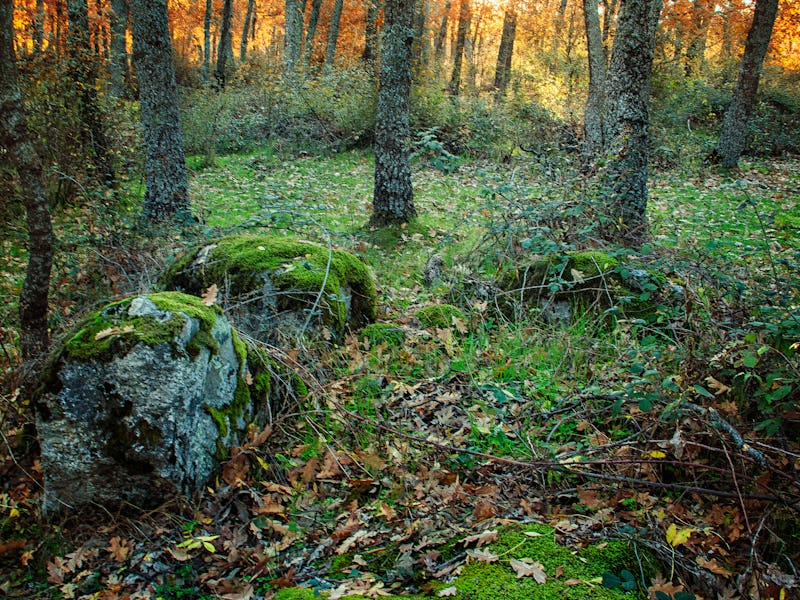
column 333, row 34
column 292, row 36
column 420, row 49
column 737, row 116
column 207, row 14
column 119, row 70
column 593, row 135
column 502, row 72
column 246, row 28
column 311, row 30
column 393, row 198
column 225, row 50
column 166, row 196
column 371, row 31
column 627, row 120
column 16, row 139
column 83, row 70
column 440, row 39
column 464, row 20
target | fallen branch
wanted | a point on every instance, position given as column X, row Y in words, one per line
column 721, row 424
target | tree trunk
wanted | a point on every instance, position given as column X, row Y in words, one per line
column 15, row 138
column 593, row 137
column 225, row 49
column 558, row 24
column 248, row 20
column 441, row 35
column 609, row 14
column 206, row 69
column 733, row 133
column 695, row 53
column 624, row 176
column 292, row 37
column 119, row 47
column 502, row 72
column 464, row 19
column 313, row 20
column 166, row 196
column 333, row 35
column 83, row 70
column 38, row 27
column 371, row 31
column 420, row 50
column 393, row 198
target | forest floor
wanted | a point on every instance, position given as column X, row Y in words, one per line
column 411, row 460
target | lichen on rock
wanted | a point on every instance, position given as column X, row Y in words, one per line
column 267, row 280
column 141, row 402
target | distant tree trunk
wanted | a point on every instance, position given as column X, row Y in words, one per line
column 225, row 49
column 624, row 176
column 593, row 137
column 393, row 198
column 737, row 116
column 609, row 14
column 333, row 35
column 248, row 20
column 292, row 36
column 441, row 35
column 83, row 68
column 119, row 47
column 38, row 27
column 695, row 53
column 558, row 24
column 464, row 19
column 371, row 31
column 502, row 72
column 206, row 69
column 166, row 196
column 313, row 20
column 420, row 48
column 16, row 139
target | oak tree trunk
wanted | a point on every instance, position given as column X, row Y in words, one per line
column 248, row 21
column 464, row 19
column 502, row 71
column 333, row 35
column 119, row 69
column 225, row 49
column 313, row 20
column 593, row 135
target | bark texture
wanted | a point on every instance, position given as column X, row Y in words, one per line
column 393, row 198
column 502, row 72
column 292, row 36
column 464, row 19
column 333, row 34
column 119, row 70
column 733, row 133
column 248, row 21
column 207, row 14
column 225, row 49
column 593, row 135
column 166, row 196
column 14, row 136
column 313, row 20
column 371, row 31
column 627, row 119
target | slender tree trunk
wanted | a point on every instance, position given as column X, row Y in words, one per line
column 464, row 19
column 38, row 27
column 558, row 24
column 371, row 31
column 609, row 16
column 166, row 197
column 119, row 47
column 627, row 119
column 695, row 53
column 393, row 198
column 292, row 36
column 733, row 133
column 311, row 31
column 248, row 19
column 593, row 136
column 441, row 35
column 420, row 50
column 225, row 49
column 207, row 15
column 333, row 35
column 16, row 139
column 83, row 67
column 502, row 72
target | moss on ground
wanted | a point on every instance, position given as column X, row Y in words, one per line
column 112, row 332
column 439, row 315
column 245, row 262
column 380, row 333
column 571, row 575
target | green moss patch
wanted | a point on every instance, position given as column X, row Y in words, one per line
column 298, row 270
column 439, row 315
column 383, row 333
column 112, row 331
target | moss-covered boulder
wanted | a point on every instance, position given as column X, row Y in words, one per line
column 142, row 401
column 562, row 285
column 268, row 282
column 440, row 315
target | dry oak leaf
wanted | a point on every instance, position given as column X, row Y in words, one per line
column 483, row 555
column 109, row 331
column 448, row 591
column 713, row 566
column 209, row 297
column 481, row 539
column 118, row 548
column 529, row 569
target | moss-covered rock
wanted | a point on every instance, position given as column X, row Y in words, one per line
column 265, row 281
column 142, row 401
column 439, row 315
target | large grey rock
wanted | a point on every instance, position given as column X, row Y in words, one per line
column 141, row 403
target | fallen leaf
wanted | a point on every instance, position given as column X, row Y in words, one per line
column 209, row 297
column 448, row 591
column 676, row 537
column 481, row 539
column 109, row 331
column 483, row 555
column 118, row 548
column 713, row 566
column 529, row 569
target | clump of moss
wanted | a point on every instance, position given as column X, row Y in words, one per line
column 383, row 333
column 113, row 331
column 439, row 315
column 592, row 263
column 297, row 269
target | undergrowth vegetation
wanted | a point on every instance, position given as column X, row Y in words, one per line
column 519, row 370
